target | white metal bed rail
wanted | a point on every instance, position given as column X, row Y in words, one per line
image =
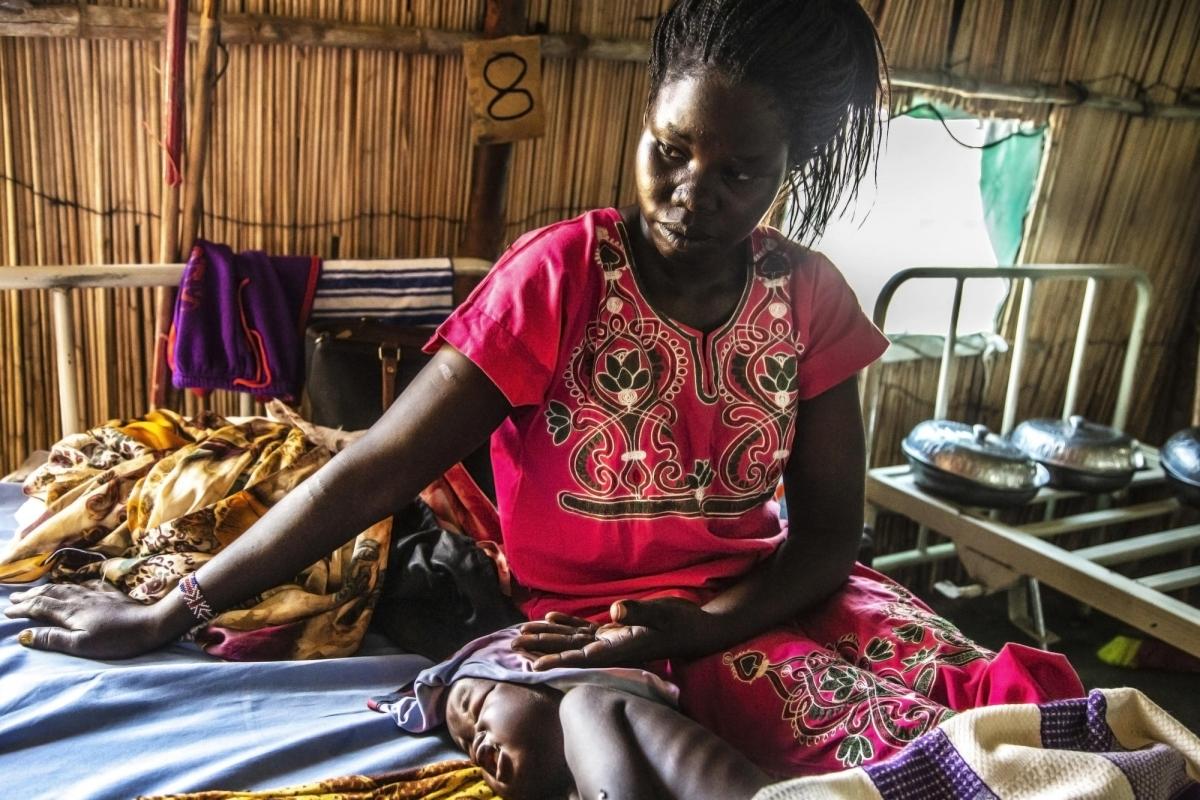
column 1029, row 275
column 1024, row 550
column 61, row 280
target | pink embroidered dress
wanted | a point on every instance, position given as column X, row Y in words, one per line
column 642, row 455
column 641, row 459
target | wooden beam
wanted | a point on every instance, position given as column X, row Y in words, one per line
column 116, row 276
column 64, row 343
column 136, row 24
column 90, row 276
column 1090, row 520
column 1174, row 580
column 490, row 164
column 103, row 22
column 1123, row 551
column 1036, row 94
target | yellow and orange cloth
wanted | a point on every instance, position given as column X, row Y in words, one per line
column 448, row 780
column 141, row 503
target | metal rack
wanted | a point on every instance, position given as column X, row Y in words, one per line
column 1025, row 551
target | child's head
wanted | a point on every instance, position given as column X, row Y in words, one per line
column 513, row 733
column 813, row 68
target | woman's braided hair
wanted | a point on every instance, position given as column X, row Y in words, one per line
column 820, row 60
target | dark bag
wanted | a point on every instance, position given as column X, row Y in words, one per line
column 354, row 370
column 440, row 590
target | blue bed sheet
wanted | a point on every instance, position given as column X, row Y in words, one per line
column 178, row 720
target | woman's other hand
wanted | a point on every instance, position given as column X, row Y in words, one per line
column 87, row 622
column 641, row 631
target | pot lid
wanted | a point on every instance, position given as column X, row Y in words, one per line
column 1077, row 444
column 972, row 452
column 1181, row 455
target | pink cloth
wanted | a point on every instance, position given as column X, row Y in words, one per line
column 855, row 679
column 642, row 455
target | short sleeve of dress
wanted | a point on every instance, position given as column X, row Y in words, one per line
column 511, row 325
column 838, row 338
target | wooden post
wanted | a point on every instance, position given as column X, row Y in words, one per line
column 197, row 158
column 174, row 58
column 68, row 383
column 197, row 143
column 1196, row 385
column 490, row 166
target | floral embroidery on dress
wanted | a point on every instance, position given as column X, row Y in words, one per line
column 874, row 693
column 825, row 697
column 946, row 644
column 626, row 381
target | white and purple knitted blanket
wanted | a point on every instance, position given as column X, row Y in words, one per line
column 1114, row 743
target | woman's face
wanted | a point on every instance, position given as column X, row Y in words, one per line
column 709, row 164
column 512, row 732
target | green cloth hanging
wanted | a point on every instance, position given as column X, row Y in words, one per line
column 1008, row 174
column 1007, row 178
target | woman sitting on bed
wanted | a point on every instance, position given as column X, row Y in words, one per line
column 648, row 375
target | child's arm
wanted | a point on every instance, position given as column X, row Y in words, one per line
column 619, row 746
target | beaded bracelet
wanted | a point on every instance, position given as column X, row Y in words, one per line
column 194, row 599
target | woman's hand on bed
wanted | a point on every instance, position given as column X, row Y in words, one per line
column 641, row 631
column 86, row 622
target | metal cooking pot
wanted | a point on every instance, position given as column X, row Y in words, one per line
column 1080, row 455
column 1180, row 459
column 971, row 465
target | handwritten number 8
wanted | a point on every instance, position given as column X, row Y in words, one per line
column 513, row 87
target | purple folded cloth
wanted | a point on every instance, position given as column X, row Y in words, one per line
column 239, row 321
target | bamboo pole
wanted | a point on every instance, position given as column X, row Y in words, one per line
column 11, row 238
column 202, row 122
column 489, row 175
column 174, row 57
column 210, row 39
column 1196, row 393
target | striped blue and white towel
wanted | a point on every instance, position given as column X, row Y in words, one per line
column 411, row 291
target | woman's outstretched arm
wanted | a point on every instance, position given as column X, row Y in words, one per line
column 620, row 747
column 449, row 409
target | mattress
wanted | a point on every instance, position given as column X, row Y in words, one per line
column 179, row 720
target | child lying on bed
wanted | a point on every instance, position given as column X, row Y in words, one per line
column 507, row 717
column 613, row 733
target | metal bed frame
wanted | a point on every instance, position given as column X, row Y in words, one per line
column 60, row 280
column 1024, row 551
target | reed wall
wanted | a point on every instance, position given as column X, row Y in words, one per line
column 366, row 153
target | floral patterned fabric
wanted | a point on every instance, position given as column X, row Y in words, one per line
column 856, row 679
column 139, row 504
column 447, row 780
